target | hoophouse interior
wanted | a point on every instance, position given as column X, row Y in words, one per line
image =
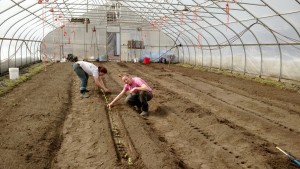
column 260, row 37
column 215, row 84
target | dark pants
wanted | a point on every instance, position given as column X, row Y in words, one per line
column 140, row 100
column 83, row 76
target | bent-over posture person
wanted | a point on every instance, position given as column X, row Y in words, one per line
column 139, row 93
column 85, row 69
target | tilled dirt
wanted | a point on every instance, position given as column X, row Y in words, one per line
column 197, row 120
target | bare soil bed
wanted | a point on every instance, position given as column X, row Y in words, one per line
column 197, row 120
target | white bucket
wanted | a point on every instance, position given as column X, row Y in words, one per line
column 13, row 73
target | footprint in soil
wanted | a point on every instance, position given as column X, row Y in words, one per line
column 162, row 139
column 159, row 111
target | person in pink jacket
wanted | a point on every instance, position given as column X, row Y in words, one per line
column 139, row 93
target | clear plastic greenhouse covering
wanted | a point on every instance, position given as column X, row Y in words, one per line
column 259, row 37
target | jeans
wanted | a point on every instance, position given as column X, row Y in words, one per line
column 139, row 99
column 83, row 76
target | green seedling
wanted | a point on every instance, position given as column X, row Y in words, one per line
column 125, row 155
column 129, row 161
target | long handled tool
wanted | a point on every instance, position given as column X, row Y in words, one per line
column 293, row 159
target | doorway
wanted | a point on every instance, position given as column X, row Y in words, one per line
column 113, row 43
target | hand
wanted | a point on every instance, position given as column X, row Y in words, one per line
column 106, row 91
column 109, row 106
column 132, row 90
